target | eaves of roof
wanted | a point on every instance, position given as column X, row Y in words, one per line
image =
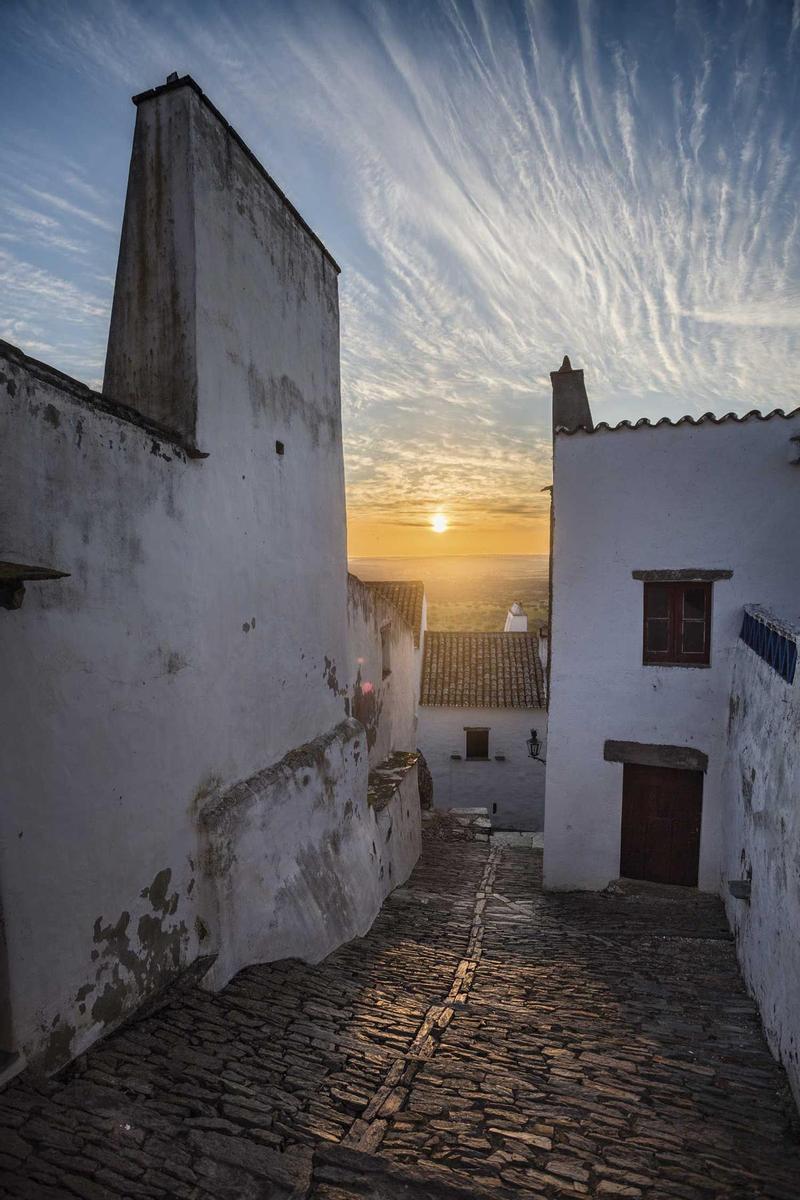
column 754, row 414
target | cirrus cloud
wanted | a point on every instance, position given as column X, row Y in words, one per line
column 503, row 183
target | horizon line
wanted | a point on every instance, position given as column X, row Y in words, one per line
column 362, row 557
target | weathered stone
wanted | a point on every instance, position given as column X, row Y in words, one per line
column 11, row 1143
column 87, row 1190
column 608, row 1188
column 568, row 1168
column 289, row 1171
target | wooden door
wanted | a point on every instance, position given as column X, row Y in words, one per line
column 661, row 809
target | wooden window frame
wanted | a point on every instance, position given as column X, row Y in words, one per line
column 476, row 729
column 675, row 655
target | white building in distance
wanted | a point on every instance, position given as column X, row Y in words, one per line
column 482, row 696
column 516, row 619
column 674, row 748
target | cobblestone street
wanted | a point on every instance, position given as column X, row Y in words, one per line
column 485, row 1039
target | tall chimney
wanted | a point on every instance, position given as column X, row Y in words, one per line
column 226, row 310
column 151, row 360
column 570, row 402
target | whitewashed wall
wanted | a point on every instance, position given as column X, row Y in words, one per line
column 419, row 650
column 201, row 636
column 385, row 706
column 302, row 860
column 709, row 496
column 516, row 785
column 761, row 820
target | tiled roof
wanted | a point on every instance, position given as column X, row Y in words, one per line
column 406, row 596
column 482, row 670
column 755, row 414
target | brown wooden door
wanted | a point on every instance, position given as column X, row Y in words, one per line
column 661, row 809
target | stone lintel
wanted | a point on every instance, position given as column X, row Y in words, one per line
column 684, row 575
column 682, row 758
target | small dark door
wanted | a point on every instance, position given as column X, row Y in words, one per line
column 661, row 809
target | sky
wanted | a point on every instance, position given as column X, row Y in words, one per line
column 502, row 183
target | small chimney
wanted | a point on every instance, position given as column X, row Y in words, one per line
column 516, row 619
column 570, row 402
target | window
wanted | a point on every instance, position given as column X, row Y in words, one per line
column 386, row 658
column 477, row 743
column 677, row 623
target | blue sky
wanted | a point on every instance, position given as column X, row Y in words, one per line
column 501, row 182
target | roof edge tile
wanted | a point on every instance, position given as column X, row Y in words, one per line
column 706, row 419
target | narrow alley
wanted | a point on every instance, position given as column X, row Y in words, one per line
column 485, row 1039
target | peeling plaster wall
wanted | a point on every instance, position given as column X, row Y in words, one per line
column 205, row 613
column 515, row 785
column 297, row 859
column 708, row 496
column 100, row 711
column 761, row 819
column 157, row 672
column 386, row 707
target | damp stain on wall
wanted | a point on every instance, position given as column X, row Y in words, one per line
column 132, row 958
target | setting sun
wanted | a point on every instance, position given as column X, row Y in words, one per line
column 439, row 523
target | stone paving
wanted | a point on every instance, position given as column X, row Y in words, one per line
column 485, row 1039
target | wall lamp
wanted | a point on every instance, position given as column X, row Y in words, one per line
column 535, row 747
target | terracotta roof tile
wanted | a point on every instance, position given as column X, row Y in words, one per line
column 482, row 670
column 406, row 595
column 755, row 414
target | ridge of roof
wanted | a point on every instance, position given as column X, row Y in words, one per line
column 401, row 583
column 706, row 418
column 481, row 633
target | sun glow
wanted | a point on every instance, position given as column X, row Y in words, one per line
column 439, row 523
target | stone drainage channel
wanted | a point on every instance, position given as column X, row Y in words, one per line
column 367, row 1131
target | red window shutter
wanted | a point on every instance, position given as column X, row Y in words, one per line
column 677, row 623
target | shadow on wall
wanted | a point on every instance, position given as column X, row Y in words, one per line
column 425, row 780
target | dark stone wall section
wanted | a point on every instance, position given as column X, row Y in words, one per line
column 684, row 575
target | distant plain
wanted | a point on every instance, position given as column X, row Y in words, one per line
column 469, row 592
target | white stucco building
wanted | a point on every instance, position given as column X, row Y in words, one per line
column 482, row 695
column 408, row 597
column 673, row 701
column 195, row 699
column 516, row 619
